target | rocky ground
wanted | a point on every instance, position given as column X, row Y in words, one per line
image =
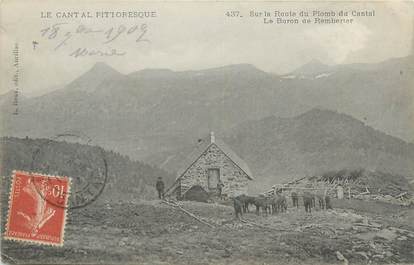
column 153, row 232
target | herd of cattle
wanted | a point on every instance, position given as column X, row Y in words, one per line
column 277, row 203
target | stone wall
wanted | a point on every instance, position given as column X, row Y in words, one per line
column 234, row 179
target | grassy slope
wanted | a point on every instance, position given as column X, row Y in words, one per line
column 150, row 232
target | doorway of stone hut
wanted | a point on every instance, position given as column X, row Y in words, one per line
column 213, row 178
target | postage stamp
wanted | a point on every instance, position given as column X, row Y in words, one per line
column 37, row 208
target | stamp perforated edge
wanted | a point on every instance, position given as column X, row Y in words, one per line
column 39, row 242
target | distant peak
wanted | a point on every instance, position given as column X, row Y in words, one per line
column 242, row 66
column 315, row 62
column 325, row 114
column 226, row 69
column 100, row 64
column 95, row 77
column 318, row 110
column 317, row 113
column 234, row 68
column 313, row 67
column 153, row 71
column 102, row 67
column 162, row 70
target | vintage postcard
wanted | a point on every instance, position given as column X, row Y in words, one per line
column 207, row 132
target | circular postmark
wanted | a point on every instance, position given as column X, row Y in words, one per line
column 70, row 156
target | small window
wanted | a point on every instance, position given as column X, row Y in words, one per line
column 213, row 178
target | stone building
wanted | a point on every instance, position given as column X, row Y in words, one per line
column 210, row 162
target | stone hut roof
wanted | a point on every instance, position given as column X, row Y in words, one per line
column 202, row 146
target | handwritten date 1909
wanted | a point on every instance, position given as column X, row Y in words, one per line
column 63, row 33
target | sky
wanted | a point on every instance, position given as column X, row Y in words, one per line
column 191, row 35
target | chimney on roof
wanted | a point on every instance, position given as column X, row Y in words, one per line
column 212, row 137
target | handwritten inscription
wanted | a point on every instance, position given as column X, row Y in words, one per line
column 63, row 34
column 82, row 52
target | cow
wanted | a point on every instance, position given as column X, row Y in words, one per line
column 283, row 203
column 308, row 201
column 279, row 203
column 263, row 203
column 321, row 201
column 246, row 201
column 328, row 204
column 313, row 200
column 295, row 199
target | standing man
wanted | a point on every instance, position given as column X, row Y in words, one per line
column 160, row 188
column 220, row 186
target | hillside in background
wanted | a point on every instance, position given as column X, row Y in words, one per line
column 279, row 149
column 126, row 178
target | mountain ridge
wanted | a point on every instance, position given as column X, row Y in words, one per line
column 145, row 115
column 317, row 141
column 94, row 77
column 311, row 68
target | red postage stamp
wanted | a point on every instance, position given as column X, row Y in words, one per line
column 37, row 208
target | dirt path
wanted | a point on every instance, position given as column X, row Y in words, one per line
column 155, row 233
